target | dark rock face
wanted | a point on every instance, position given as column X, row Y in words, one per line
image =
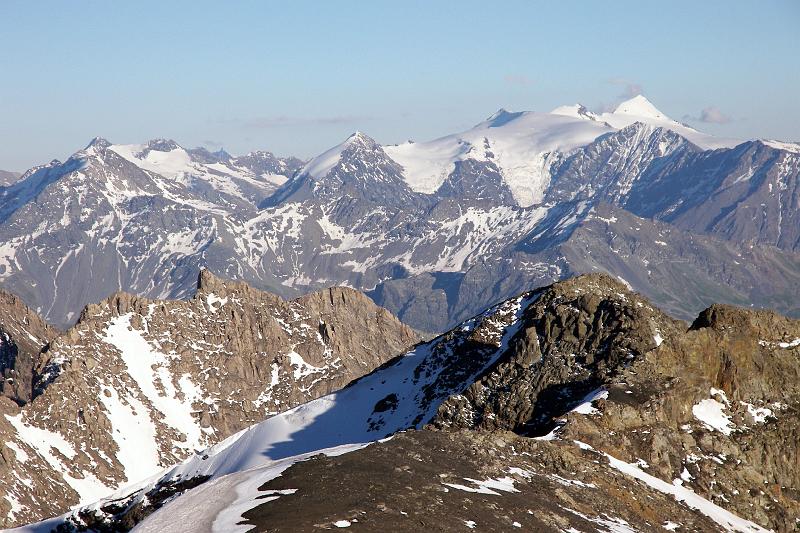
column 682, row 272
column 647, row 384
column 746, row 194
column 575, row 338
column 23, row 337
column 174, row 377
column 476, row 183
column 617, row 165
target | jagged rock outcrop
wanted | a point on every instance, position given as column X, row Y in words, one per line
column 583, row 384
column 137, row 385
column 575, row 337
column 713, row 406
column 23, row 336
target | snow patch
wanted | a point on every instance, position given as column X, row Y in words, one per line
column 791, row 344
column 133, row 432
column 726, row 519
column 150, row 370
column 212, row 299
column 586, row 407
column 759, row 414
column 712, row 413
column 488, row 486
column 46, row 442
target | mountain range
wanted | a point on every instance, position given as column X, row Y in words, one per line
column 547, row 322
column 433, row 231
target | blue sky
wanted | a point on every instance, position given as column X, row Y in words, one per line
column 297, row 77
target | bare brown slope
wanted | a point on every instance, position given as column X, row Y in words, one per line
column 229, row 357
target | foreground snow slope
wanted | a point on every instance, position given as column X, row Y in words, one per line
column 403, row 394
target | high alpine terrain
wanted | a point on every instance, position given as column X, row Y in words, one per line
column 433, row 231
column 138, row 385
column 576, row 407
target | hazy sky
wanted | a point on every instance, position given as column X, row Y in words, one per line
column 297, row 77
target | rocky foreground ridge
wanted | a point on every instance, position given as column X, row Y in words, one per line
column 578, row 406
column 137, row 385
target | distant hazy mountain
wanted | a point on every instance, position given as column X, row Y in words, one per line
column 7, row 178
column 433, row 230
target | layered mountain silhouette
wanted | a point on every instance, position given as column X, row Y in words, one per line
column 421, row 227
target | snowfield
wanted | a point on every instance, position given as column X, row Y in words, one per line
column 523, row 144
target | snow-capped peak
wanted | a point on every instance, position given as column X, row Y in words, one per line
column 502, row 117
column 322, row 164
column 359, row 137
column 98, row 142
column 574, row 110
column 162, row 145
column 640, row 109
column 640, row 106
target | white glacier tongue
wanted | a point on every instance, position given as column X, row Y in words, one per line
column 520, row 144
column 523, row 145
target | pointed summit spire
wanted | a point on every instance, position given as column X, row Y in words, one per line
column 98, row 142
column 360, row 137
column 641, row 107
column 320, row 165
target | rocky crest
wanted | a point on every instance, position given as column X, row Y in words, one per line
column 581, row 393
column 487, row 481
column 137, row 385
column 713, row 406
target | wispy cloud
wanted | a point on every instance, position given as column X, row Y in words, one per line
column 518, row 79
column 710, row 115
column 629, row 88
